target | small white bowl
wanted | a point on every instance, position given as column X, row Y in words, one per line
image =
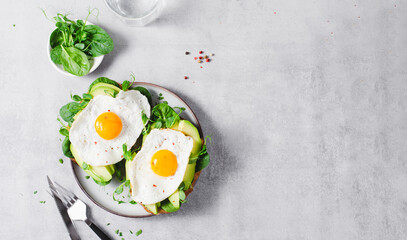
column 94, row 61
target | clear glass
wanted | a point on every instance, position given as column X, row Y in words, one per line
column 136, row 13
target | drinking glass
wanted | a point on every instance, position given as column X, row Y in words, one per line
column 136, row 13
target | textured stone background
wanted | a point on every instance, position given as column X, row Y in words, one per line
column 305, row 102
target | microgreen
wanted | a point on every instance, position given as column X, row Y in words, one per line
column 127, row 84
column 87, row 177
column 35, row 192
column 119, row 190
column 85, row 166
column 128, row 155
column 164, row 116
column 42, row 202
column 139, row 232
column 61, row 160
column 108, row 224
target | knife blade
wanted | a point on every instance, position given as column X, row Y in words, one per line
column 64, row 213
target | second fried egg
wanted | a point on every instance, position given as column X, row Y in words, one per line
column 159, row 167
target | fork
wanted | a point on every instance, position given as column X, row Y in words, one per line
column 78, row 210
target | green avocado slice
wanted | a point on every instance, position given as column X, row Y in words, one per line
column 104, row 80
column 104, row 89
column 174, row 199
column 152, row 207
column 189, row 129
column 101, row 174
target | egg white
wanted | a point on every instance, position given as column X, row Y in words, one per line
column 93, row 149
column 146, row 186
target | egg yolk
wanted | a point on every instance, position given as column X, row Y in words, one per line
column 108, row 125
column 164, row 163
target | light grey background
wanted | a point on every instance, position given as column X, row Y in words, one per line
column 305, row 102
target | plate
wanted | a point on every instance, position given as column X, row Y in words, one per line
column 102, row 196
column 94, row 61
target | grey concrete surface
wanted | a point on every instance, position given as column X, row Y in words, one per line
column 305, row 102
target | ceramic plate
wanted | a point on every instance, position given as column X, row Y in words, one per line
column 103, row 195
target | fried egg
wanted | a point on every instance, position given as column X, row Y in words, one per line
column 159, row 167
column 100, row 130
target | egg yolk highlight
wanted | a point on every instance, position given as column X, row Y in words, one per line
column 108, row 125
column 164, row 163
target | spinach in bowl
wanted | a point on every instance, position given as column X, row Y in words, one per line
column 74, row 43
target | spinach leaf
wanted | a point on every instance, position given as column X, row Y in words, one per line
column 56, row 54
column 120, row 171
column 66, row 114
column 87, row 96
column 80, row 46
column 64, row 132
column 202, row 162
column 143, row 91
column 76, row 98
column 100, row 42
column 66, row 147
column 68, row 111
column 74, row 61
column 56, row 38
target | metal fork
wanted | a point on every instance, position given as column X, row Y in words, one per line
column 77, row 210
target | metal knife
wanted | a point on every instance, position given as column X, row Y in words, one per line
column 64, row 214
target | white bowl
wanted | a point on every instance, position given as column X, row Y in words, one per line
column 94, row 61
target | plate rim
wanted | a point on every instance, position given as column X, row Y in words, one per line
column 198, row 125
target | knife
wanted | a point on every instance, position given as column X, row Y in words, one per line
column 64, row 214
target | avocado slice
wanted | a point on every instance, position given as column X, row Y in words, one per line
column 167, row 206
column 174, row 199
column 101, row 174
column 152, row 207
column 103, row 80
column 104, row 89
column 189, row 129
